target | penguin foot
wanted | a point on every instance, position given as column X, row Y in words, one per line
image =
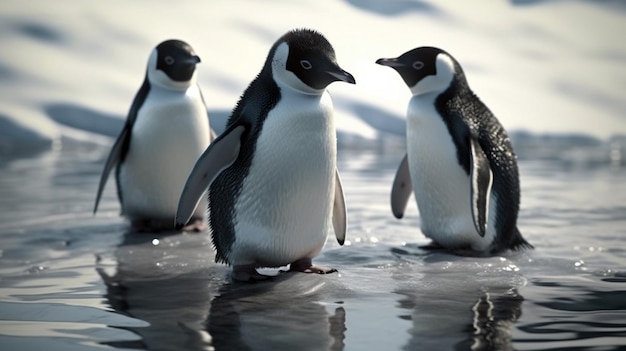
column 195, row 225
column 469, row 252
column 143, row 226
column 247, row 273
column 158, row 225
column 464, row 251
column 433, row 245
column 306, row 266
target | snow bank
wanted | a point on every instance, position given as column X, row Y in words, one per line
column 541, row 66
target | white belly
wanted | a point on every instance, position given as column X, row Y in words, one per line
column 283, row 212
column 170, row 133
column 441, row 186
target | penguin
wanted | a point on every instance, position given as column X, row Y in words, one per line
column 166, row 130
column 460, row 163
column 272, row 174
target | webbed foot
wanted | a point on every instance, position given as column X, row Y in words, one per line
column 248, row 273
column 195, row 225
column 305, row 265
column 433, row 245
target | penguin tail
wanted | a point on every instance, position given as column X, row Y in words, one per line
column 518, row 243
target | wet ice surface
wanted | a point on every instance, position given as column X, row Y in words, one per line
column 71, row 281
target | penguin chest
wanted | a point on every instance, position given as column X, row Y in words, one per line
column 283, row 211
column 171, row 131
column 440, row 184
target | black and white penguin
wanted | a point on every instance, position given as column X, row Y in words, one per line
column 460, row 163
column 166, row 130
column 272, row 175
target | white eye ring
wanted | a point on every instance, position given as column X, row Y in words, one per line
column 169, row 60
column 306, row 64
column 418, row 65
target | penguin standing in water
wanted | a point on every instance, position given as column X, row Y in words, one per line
column 460, row 163
column 166, row 130
column 272, row 175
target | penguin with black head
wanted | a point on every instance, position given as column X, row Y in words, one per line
column 166, row 130
column 460, row 162
column 272, row 175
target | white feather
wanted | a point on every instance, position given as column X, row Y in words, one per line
column 284, row 210
column 170, row 133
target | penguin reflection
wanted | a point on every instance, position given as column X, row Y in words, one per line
column 164, row 280
column 441, row 324
column 279, row 315
column 493, row 318
column 173, row 286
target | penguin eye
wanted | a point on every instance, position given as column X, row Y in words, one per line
column 306, row 64
column 418, row 65
column 169, row 60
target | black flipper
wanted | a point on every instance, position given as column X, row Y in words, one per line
column 339, row 211
column 120, row 148
column 401, row 189
column 115, row 156
column 220, row 154
column 481, row 179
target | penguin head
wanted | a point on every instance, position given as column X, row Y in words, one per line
column 172, row 64
column 424, row 69
column 304, row 60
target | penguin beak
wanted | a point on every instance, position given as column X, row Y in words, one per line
column 390, row 62
column 194, row 59
column 342, row 75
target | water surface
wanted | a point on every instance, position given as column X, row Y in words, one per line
column 72, row 281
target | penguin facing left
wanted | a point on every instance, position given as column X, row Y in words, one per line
column 166, row 130
column 272, row 175
column 460, row 162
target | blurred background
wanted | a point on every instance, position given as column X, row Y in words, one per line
column 544, row 67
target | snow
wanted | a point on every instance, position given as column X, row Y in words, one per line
column 554, row 67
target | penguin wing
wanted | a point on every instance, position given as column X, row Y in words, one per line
column 401, row 189
column 481, row 178
column 339, row 211
column 220, row 154
column 115, row 156
column 120, row 148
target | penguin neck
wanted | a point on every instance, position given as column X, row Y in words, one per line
column 288, row 92
column 159, row 79
column 289, row 89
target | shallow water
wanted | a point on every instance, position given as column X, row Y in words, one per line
column 72, row 281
